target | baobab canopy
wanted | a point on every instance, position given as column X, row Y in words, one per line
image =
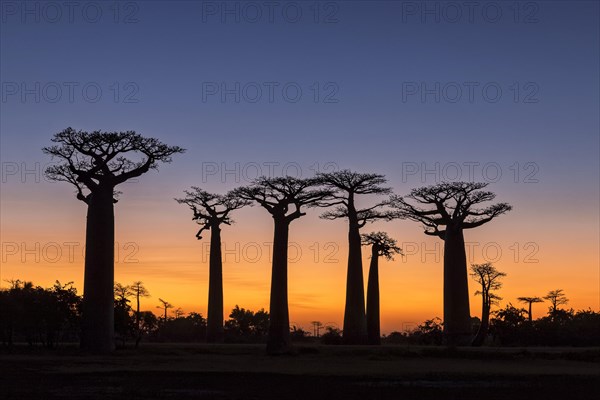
column 94, row 159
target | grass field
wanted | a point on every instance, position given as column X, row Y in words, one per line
column 190, row 371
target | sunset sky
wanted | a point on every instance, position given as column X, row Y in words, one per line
column 372, row 86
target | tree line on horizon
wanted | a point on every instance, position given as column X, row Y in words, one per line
column 51, row 317
column 97, row 162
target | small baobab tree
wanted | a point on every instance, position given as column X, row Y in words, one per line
column 347, row 186
column 139, row 290
column 165, row 306
column 529, row 301
column 178, row 313
column 488, row 278
column 210, row 212
column 317, row 325
column 283, row 198
column 381, row 246
column 446, row 210
column 122, row 293
column 556, row 298
column 96, row 163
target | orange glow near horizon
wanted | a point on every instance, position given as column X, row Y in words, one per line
column 156, row 244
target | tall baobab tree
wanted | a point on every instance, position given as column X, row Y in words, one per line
column 283, row 198
column 488, row 278
column 165, row 307
column 381, row 246
column 210, row 212
column 138, row 290
column 96, row 163
column 446, row 210
column 530, row 301
column 347, row 186
column 556, row 298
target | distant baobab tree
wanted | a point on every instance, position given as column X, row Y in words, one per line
column 138, row 290
column 488, row 278
column 122, row 292
column 530, row 301
column 178, row 313
column 556, row 298
column 347, row 186
column 210, row 212
column 96, row 163
column 317, row 325
column 452, row 209
column 165, row 307
column 381, row 246
column 283, row 198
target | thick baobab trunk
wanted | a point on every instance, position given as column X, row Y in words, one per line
column 485, row 322
column 457, row 317
column 373, row 324
column 97, row 324
column 214, row 325
column 355, row 321
column 529, row 314
column 278, row 341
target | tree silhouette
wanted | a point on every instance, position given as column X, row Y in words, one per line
column 122, row 293
column 96, row 163
column 124, row 323
column 381, row 246
column 283, row 198
column 446, row 210
column 210, row 211
column 165, row 307
column 488, row 278
column 139, row 290
column 36, row 314
column 556, row 298
column 178, row 313
column 317, row 325
column 530, row 301
column 346, row 186
column 246, row 325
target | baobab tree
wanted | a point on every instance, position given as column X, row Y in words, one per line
column 210, row 212
column 96, row 163
column 283, row 198
column 556, row 298
column 488, row 278
column 446, row 210
column 346, row 187
column 138, row 290
column 165, row 307
column 381, row 246
column 530, row 301
column 122, row 293
column 317, row 325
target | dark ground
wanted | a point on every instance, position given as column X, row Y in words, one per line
column 173, row 371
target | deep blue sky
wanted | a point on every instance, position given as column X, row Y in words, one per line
column 368, row 54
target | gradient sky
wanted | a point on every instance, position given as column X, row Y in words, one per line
column 367, row 59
